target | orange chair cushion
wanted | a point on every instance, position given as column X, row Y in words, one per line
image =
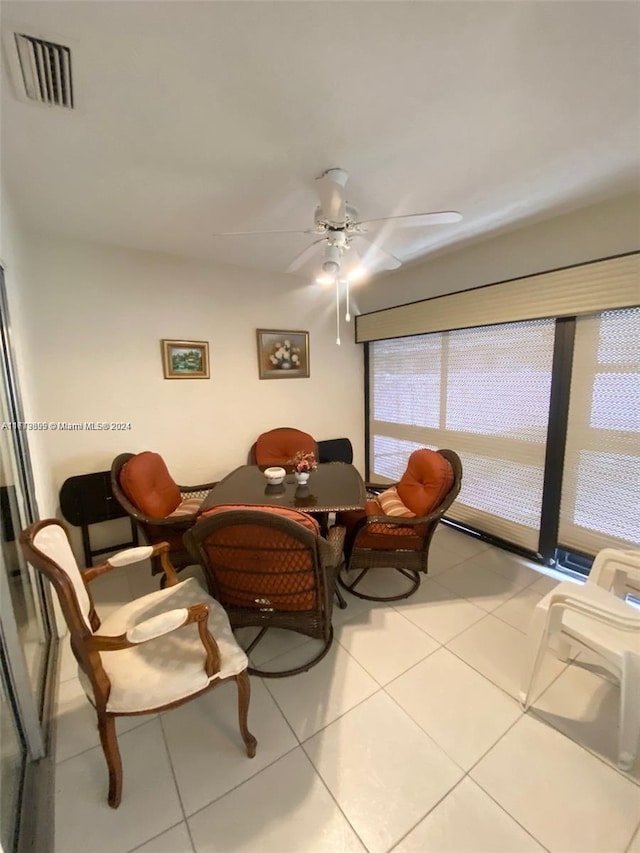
column 147, row 483
column 283, row 511
column 428, row 478
column 275, row 583
column 279, row 446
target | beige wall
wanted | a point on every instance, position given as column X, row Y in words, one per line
column 95, row 317
column 13, row 253
column 597, row 231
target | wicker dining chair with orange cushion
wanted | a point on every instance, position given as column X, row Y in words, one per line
column 163, row 510
column 279, row 446
column 395, row 529
column 149, row 655
column 269, row 567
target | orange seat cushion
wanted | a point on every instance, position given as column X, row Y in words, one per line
column 428, row 478
column 381, row 537
column 279, row 446
column 147, row 483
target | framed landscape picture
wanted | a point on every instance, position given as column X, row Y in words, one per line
column 185, row 359
column 283, row 355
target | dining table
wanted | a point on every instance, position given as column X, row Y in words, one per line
column 332, row 487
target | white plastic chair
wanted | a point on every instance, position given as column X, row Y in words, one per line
column 592, row 619
column 617, row 571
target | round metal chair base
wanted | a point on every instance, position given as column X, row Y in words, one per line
column 412, row 575
column 296, row 670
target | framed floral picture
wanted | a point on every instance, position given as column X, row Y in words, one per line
column 283, row 355
column 185, row 359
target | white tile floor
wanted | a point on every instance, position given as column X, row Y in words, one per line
column 406, row 737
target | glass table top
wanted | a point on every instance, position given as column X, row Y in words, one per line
column 333, row 487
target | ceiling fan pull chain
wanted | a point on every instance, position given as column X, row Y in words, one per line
column 337, row 310
column 347, row 315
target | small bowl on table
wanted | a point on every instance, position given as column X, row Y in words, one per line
column 275, row 476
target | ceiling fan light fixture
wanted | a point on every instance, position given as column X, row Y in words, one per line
column 331, row 263
column 325, row 279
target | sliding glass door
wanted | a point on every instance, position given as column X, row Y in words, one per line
column 26, row 650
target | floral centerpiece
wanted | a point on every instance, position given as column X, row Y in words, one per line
column 304, row 463
column 284, row 356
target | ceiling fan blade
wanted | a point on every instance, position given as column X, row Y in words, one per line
column 411, row 220
column 250, row 233
column 330, row 186
column 304, row 256
column 391, row 262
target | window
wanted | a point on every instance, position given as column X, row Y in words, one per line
column 601, row 484
column 483, row 392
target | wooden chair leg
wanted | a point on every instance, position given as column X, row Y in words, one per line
column 244, row 693
column 109, row 741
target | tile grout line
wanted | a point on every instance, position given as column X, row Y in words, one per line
column 538, row 715
column 98, row 746
column 634, row 835
column 338, row 806
column 159, row 835
column 240, row 784
column 175, row 781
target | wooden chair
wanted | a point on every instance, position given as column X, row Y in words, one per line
column 270, row 568
column 163, row 510
column 396, row 534
column 152, row 654
column 278, row 446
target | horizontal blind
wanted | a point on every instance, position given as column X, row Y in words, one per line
column 600, row 504
column 585, row 289
column 481, row 392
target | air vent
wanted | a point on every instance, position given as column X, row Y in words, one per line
column 46, row 71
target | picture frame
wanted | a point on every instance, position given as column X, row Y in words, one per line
column 185, row 359
column 282, row 354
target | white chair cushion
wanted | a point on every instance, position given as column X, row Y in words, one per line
column 52, row 541
column 168, row 668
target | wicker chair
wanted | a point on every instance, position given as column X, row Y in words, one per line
column 375, row 539
column 162, row 509
column 151, row 654
column 270, row 568
column 280, row 445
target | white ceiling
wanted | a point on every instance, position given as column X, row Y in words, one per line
column 201, row 117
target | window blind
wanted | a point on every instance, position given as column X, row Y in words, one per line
column 483, row 392
column 584, row 289
column 600, row 504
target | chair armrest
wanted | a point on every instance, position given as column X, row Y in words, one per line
column 131, row 556
column 612, row 616
column 610, row 564
column 159, row 626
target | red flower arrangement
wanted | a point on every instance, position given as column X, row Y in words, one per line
column 304, row 462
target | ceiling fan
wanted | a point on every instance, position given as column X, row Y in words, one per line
column 338, row 226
